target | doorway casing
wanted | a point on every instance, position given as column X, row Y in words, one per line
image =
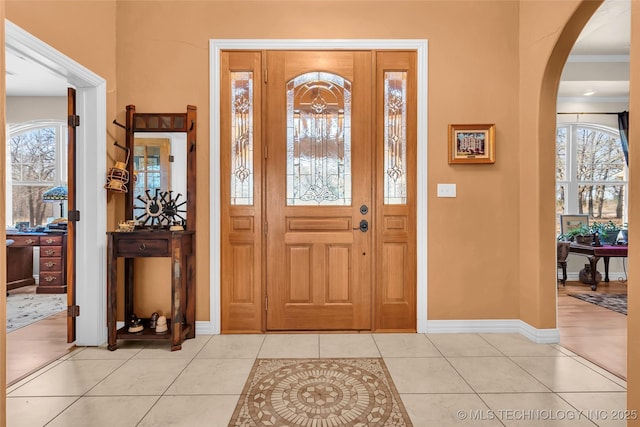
column 215, row 47
column 91, row 98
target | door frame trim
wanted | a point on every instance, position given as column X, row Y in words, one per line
column 91, row 169
column 215, row 48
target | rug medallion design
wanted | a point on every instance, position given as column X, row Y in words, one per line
column 615, row 302
column 319, row 393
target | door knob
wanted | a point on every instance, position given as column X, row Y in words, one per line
column 364, row 226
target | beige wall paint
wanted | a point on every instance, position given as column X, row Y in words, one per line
column 491, row 249
column 26, row 108
column 543, row 35
column 470, row 89
column 475, row 267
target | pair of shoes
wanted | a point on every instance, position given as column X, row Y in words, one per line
column 153, row 320
column 161, row 325
column 135, row 324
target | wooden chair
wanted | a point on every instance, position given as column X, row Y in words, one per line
column 563, row 253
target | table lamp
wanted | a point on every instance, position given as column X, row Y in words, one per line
column 56, row 194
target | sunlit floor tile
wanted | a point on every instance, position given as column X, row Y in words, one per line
column 69, row 378
column 566, row 374
column 348, row 345
column 456, row 345
column 603, row 372
column 290, row 346
column 495, row 374
column 212, row 376
column 191, row 411
column 405, row 345
column 534, row 409
column 444, row 410
column 125, row 350
column 139, row 377
column 35, row 411
column 105, row 411
column 232, row 347
column 425, row 375
column 519, row 345
column 604, row 409
column 162, row 349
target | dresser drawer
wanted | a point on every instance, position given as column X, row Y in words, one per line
column 51, row 278
column 51, row 240
column 51, row 264
column 25, row 240
column 142, row 247
column 51, row 251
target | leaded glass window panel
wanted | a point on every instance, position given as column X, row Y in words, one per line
column 319, row 140
column 242, row 138
column 395, row 137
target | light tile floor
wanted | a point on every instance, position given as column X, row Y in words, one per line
column 443, row 380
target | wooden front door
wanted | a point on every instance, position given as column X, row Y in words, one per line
column 319, row 145
column 318, row 171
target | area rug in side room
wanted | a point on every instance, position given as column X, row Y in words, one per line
column 320, row 393
column 615, row 302
column 25, row 309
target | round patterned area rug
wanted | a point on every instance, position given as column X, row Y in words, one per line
column 319, row 392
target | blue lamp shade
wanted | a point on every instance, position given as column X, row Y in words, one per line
column 56, row 194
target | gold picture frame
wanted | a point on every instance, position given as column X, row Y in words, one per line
column 472, row 143
column 569, row 222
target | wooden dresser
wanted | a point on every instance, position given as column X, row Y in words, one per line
column 53, row 248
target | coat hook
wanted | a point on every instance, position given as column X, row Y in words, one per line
column 118, row 124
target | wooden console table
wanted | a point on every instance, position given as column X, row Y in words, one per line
column 179, row 245
column 594, row 253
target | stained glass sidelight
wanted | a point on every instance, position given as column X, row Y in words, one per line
column 318, row 140
column 242, row 138
column 395, row 137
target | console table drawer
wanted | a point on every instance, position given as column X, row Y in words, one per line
column 25, row 240
column 142, row 247
column 49, row 278
column 51, row 251
column 50, row 240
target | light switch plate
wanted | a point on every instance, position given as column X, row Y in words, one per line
column 446, row 190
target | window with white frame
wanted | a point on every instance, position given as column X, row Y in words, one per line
column 591, row 173
column 38, row 161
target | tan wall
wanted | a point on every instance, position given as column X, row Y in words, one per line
column 474, row 263
column 25, row 108
column 491, row 250
column 476, row 282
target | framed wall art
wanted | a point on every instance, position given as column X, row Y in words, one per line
column 569, row 222
column 472, row 143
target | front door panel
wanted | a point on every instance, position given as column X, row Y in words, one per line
column 318, row 190
column 318, row 168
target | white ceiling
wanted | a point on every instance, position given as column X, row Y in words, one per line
column 599, row 63
column 26, row 78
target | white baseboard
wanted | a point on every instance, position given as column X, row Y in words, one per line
column 540, row 336
column 613, row 276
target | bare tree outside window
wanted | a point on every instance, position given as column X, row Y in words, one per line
column 590, row 172
column 33, row 171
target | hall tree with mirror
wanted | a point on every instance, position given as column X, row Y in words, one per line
column 159, row 221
